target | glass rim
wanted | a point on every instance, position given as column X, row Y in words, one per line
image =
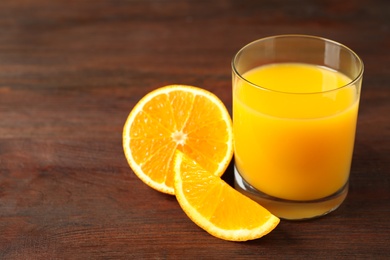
column 350, row 83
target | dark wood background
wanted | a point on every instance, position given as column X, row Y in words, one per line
column 71, row 71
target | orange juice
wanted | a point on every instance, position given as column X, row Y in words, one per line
column 294, row 130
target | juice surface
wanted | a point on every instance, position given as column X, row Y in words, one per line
column 294, row 135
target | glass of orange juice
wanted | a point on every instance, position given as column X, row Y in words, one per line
column 295, row 107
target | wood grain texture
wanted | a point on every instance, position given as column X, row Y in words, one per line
column 71, row 71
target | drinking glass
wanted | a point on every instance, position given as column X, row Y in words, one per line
column 295, row 107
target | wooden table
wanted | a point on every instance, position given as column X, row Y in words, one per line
column 71, row 71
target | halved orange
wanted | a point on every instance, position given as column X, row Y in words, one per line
column 216, row 207
column 177, row 117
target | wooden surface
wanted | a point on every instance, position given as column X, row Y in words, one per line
column 71, row 71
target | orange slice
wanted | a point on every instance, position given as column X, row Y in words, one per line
column 216, row 207
column 177, row 117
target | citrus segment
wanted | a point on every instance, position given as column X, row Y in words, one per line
column 216, row 207
column 177, row 117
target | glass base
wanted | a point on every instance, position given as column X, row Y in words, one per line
column 290, row 209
